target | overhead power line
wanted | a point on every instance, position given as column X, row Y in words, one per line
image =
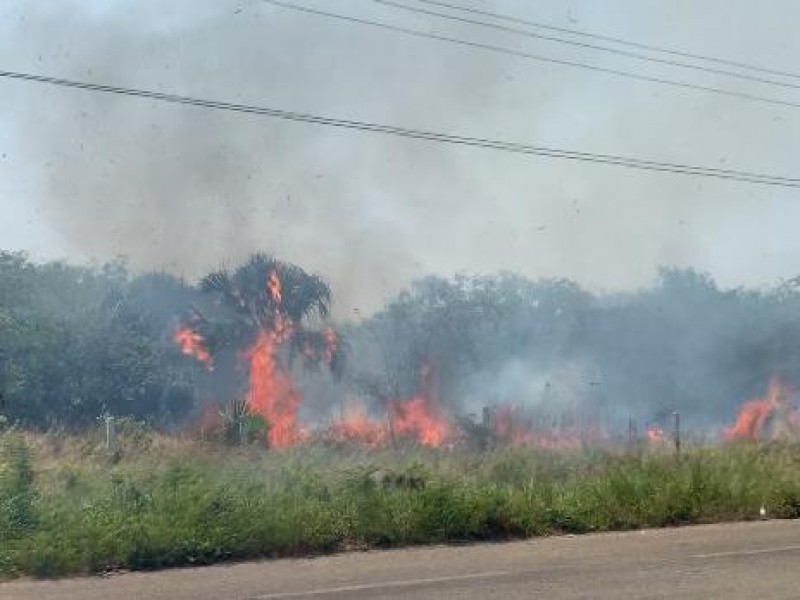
column 559, row 40
column 608, row 38
column 536, row 57
column 420, row 134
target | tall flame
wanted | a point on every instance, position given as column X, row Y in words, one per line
column 272, row 393
column 755, row 416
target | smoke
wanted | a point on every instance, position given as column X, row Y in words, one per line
column 186, row 189
column 519, row 382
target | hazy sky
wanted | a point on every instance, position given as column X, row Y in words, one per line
column 88, row 177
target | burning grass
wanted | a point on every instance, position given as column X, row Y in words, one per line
column 68, row 507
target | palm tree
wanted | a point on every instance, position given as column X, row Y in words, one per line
column 268, row 296
column 247, row 292
column 247, row 302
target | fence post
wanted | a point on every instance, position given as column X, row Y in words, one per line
column 109, row 433
column 677, row 417
column 631, row 431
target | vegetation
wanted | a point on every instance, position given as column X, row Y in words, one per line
column 68, row 506
column 242, row 305
column 77, row 343
column 80, row 343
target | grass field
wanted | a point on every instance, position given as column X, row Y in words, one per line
column 69, row 506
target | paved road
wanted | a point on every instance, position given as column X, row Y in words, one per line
column 748, row 560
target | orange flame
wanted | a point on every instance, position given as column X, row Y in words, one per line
column 419, row 419
column 357, row 427
column 193, row 344
column 272, row 393
column 752, row 421
column 416, row 419
column 274, row 288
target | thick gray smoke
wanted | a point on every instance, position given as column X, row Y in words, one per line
column 550, row 349
column 187, row 189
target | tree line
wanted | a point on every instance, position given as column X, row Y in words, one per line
column 79, row 342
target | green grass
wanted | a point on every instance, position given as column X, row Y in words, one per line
column 68, row 507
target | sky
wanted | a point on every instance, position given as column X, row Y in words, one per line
column 89, row 177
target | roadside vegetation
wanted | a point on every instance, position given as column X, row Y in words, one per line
column 70, row 506
column 213, row 385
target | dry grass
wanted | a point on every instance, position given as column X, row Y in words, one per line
column 68, row 505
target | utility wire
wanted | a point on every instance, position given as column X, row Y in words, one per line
column 420, row 134
column 550, row 38
column 607, row 38
column 537, row 57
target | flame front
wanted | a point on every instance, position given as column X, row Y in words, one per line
column 357, row 427
column 419, row 419
column 272, row 393
column 755, row 416
column 193, row 344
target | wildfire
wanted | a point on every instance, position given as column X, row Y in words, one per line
column 272, row 393
column 357, row 427
column 193, row 344
column 416, row 419
column 419, row 419
column 755, row 416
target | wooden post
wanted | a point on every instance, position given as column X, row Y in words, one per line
column 677, row 432
column 242, row 431
column 109, row 433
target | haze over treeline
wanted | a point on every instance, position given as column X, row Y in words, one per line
column 78, row 342
column 87, row 175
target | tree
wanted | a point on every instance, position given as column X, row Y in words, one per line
column 270, row 313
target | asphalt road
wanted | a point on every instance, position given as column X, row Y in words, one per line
column 746, row 560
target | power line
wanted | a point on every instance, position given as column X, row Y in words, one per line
column 420, row 134
column 526, row 55
column 550, row 38
column 608, row 38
